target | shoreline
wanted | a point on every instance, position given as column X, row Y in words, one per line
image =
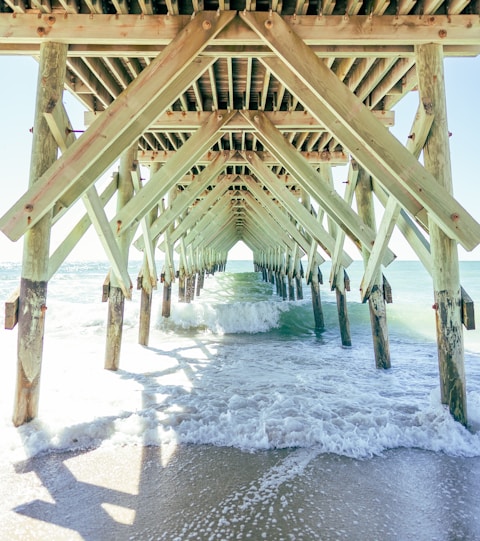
column 205, row 492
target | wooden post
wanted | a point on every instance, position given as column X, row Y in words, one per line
column 167, row 299
column 146, row 284
column 34, row 279
column 146, row 288
column 181, row 285
column 298, row 276
column 116, row 298
column 343, row 320
column 189, row 288
column 315, row 280
column 445, row 271
column 378, row 313
column 169, row 271
column 200, row 281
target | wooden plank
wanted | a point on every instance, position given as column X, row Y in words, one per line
column 385, row 230
column 352, row 124
column 135, row 29
column 128, row 116
column 11, row 310
column 314, row 158
column 60, row 126
column 106, row 288
column 186, row 121
column 148, row 247
column 468, row 311
column 306, row 177
column 106, row 235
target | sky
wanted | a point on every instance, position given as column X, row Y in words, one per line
column 17, row 102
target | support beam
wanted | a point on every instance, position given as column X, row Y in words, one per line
column 172, row 171
column 358, row 130
column 188, row 121
column 308, row 178
column 446, row 279
column 34, row 279
column 116, row 298
column 132, row 35
column 97, row 216
column 145, row 224
column 188, row 196
column 313, row 158
column 294, row 207
column 127, row 118
column 378, row 313
column 416, row 140
column 148, row 280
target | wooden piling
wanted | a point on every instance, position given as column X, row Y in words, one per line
column 298, row 272
column 167, row 299
column 33, row 285
column 200, row 282
column 445, row 269
column 376, row 302
column 116, row 298
column 316, row 299
column 146, row 285
column 181, row 285
column 341, row 288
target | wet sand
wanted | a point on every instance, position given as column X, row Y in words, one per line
column 204, row 492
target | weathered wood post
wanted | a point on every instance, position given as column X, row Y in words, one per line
column 376, row 301
column 146, row 285
column 169, row 271
column 34, row 279
column 445, row 270
column 146, row 288
column 343, row 320
column 298, row 276
column 315, row 280
column 339, row 279
column 116, row 297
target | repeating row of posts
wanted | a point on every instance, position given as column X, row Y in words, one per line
column 282, row 268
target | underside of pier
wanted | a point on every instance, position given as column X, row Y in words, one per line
column 240, row 110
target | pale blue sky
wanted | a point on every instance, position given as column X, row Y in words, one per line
column 17, row 100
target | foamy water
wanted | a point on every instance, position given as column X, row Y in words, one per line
column 238, row 367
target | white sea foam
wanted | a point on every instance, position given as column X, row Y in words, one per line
column 237, row 385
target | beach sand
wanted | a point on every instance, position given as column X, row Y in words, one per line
column 206, row 492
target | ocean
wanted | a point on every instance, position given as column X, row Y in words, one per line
column 240, row 367
column 239, row 421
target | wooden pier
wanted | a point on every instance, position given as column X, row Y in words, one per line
column 240, row 110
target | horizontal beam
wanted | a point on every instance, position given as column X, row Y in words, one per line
column 162, row 156
column 332, row 30
column 120, row 50
column 188, row 121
